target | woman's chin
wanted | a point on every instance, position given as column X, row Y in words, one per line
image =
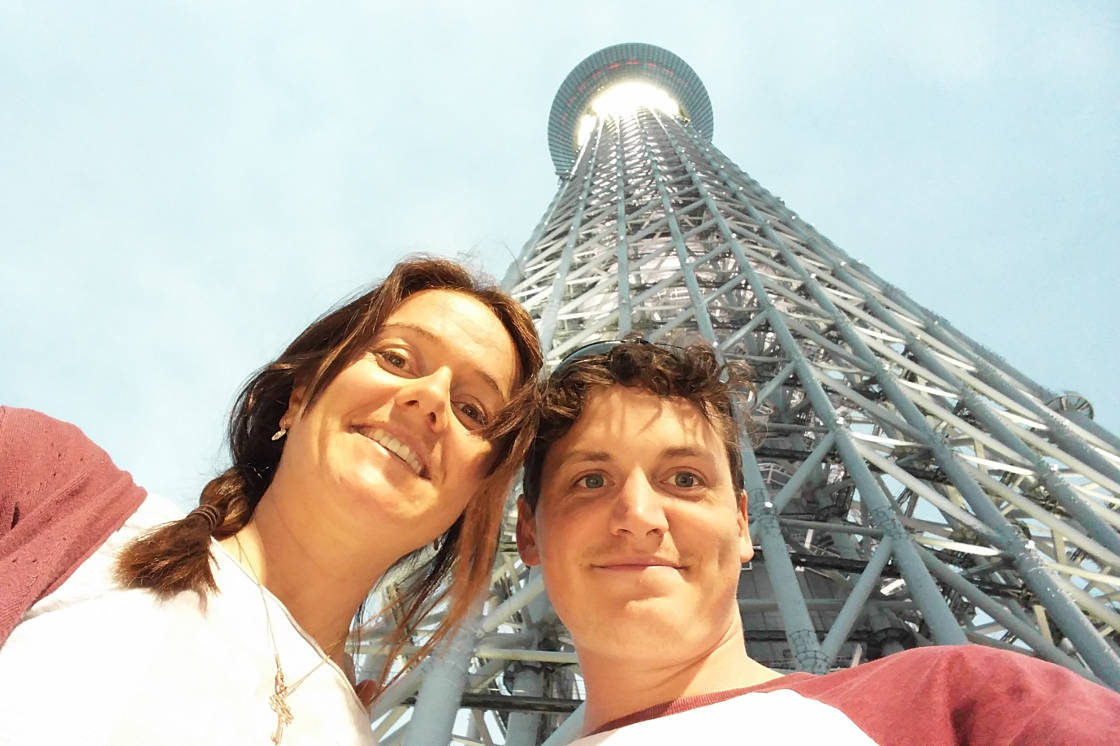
column 373, row 498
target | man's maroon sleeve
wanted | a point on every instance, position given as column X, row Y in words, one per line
column 969, row 694
column 61, row 497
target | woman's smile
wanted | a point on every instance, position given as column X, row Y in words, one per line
column 396, row 447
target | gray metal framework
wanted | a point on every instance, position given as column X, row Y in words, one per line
column 909, row 487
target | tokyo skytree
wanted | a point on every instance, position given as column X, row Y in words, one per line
column 906, row 486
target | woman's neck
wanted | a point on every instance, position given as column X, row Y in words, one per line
column 320, row 580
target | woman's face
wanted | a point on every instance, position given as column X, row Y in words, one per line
column 392, row 446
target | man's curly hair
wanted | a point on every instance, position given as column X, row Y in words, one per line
column 692, row 373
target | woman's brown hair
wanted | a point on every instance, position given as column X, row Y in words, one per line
column 176, row 557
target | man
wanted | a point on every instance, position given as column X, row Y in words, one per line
column 635, row 509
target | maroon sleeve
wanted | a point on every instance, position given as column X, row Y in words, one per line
column 61, row 497
column 969, row 694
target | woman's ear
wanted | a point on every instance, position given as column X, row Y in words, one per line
column 295, row 406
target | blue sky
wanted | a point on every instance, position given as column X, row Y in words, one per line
column 186, row 185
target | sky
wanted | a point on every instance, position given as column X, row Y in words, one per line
column 185, row 186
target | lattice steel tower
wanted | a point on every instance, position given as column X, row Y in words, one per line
column 910, row 487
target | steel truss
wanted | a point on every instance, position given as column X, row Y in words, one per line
column 908, row 487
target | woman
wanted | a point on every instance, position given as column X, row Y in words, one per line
column 390, row 425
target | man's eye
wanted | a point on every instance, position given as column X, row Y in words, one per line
column 591, row 481
column 686, row 479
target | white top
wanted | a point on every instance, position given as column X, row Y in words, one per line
column 780, row 716
column 95, row 663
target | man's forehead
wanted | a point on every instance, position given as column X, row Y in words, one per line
column 613, row 416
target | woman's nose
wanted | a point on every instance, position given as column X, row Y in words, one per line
column 430, row 395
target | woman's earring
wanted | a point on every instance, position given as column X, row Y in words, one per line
column 280, row 433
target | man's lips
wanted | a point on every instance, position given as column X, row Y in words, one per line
column 636, row 563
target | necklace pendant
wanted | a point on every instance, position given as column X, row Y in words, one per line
column 279, row 704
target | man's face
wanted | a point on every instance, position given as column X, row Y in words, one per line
column 638, row 529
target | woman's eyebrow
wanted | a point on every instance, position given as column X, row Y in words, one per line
column 486, row 377
column 489, row 381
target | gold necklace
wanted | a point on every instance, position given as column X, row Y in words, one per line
column 280, row 689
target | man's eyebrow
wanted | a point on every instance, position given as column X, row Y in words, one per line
column 686, row 452
column 486, row 377
column 595, row 456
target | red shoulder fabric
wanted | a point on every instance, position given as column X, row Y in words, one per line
column 967, row 694
column 61, row 497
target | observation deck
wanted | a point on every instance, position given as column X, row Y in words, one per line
column 622, row 63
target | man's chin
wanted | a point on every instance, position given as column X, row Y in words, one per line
column 650, row 641
column 650, row 617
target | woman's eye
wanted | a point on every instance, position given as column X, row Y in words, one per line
column 591, row 481
column 686, row 479
column 473, row 413
column 393, row 359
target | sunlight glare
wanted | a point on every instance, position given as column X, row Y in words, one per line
column 622, row 99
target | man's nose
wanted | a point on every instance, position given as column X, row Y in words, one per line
column 638, row 509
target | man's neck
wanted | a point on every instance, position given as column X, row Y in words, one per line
column 617, row 687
